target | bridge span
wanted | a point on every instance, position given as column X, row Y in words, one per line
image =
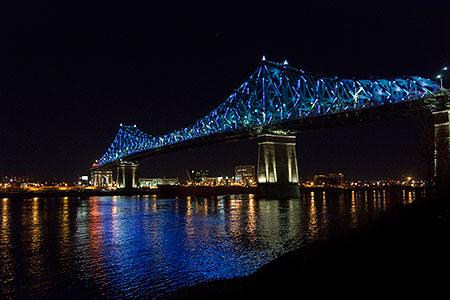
column 275, row 103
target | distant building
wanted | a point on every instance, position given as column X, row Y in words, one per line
column 83, row 180
column 225, row 180
column 212, row 181
column 153, row 182
column 330, row 180
column 16, row 179
column 16, row 182
column 197, row 175
column 244, row 174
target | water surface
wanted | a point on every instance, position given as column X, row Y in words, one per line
column 126, row 247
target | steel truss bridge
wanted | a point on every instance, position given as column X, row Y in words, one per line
column 278, row 98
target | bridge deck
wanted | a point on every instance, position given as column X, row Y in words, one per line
column 392, row 111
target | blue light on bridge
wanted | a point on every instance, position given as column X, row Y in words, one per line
column 273, row 94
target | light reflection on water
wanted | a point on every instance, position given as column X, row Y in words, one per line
column 130, row 246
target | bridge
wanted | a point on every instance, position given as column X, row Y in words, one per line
column 275, row 103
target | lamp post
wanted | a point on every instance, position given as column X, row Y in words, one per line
column 440, row 76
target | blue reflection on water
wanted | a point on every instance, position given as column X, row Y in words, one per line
column 129, row 247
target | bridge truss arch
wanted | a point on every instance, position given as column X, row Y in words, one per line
column 274, row 95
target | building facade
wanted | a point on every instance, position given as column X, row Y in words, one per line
column 330, row 180
column 245, row 174
column 198, row 175
column 153, row 182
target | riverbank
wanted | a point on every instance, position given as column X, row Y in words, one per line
column 82, row 193
column 165, row 191
column 405, row 253
column 180, row 191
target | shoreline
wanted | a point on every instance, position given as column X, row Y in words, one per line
column 75, row 193
column 201, row 191
column 402, row 253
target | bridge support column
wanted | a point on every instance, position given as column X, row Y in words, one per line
column 102, row 178
column 126, row 175
column 441, row 121
column 277, row 166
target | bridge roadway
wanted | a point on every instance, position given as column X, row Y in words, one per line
column 277, row 170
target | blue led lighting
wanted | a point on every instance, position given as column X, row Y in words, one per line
column 276, row 93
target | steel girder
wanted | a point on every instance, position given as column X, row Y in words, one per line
column 276, row 93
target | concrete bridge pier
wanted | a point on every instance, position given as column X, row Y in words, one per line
column 102, row 178
column 441, row 121
column 277, row 171
column 126, row 175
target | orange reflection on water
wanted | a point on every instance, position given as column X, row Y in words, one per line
column 313, row 224
column 377, row 199
column 96, row 247
column 410, row 198
column 6, row 259
column 154, row 205
column 235, row 212
column 324, row 212
column 36, row 229
column 205, row 206
column 353, row 215
column 35, row 259
column 189, row 226
column 65, row 231
column 5, row 218
column 251, row 223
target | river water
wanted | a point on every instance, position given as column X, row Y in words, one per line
column 130, row 247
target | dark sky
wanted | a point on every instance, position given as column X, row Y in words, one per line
column 70, row 74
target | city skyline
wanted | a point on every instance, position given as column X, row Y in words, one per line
column 215, row 149
column 67, row 88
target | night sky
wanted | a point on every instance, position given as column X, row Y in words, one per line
column 70, row 74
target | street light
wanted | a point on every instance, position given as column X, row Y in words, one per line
column 440, row 77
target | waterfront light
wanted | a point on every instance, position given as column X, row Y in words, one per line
column 440, row 77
